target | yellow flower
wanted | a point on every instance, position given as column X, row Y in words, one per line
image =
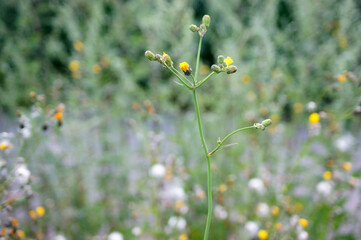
column 245, row 79
column 278, row 226
column 327, row 175
column 4, row 145
column 298, row 107
column 78, row 45
column 222, row 188
column 314, row 118
column 20, row 233
column 228, row 61
column 58, row 116
column 104, row 61
column 275, row 210
column 74, row 65
column 341, row 78
column 183, row 237
column 96, row 68
column 40, row 211
column 184, row 66
column 32, row 214
column 262, row 234
column 347, row 166
column 179, row 204
column 303, row 222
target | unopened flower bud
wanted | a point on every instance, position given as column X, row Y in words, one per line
column 215, row 68
column 206, row 20
column 150, row 55
column 158, row 58
column 231, row 69
column 266, row 122
column 202, row 30
column 220, row 59
column 259, row 126
column 167, row 60
column 193, row 28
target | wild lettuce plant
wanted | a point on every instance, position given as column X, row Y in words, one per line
column 192, row 83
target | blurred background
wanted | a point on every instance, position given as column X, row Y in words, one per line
column 97, row 142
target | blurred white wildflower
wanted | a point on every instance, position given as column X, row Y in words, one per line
column 220, row 212
column 294, row 220
column 137, row 231
column 157, row 171
column 257, row 185
column 177, row 222
column 22, row 174
column 311, row 107
column 115, row 236
column 251, row 228
column 59, row 237
column 262, row 209
column 324, row 188
column 25, row 126
column 344, row 143
column 174, row 191
column 303, row 235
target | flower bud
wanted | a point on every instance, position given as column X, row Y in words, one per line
column 266, row 122
column 202, row 30
column 158, row 58
column 220, row 59
column 167, row 60
column 148, row 54
column 231, row 69
column 259, row 126
column 206, row 20
column 215, row 68
column 193, row 28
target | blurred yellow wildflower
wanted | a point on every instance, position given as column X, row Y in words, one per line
column 14, row 222
column 275, row 210
column 179, row 204
column 278, row 226
column 104, row 61
column 341, row 78
column 20, row 233
column 58, row 116
column 327, row 175
column 228, row 61
column 78, row 45
column 303, row 222
column 3, row 231
column 40, row 211
column 96, row 68
column 245, row 79
column 314, row 118
column 222, row 188
column 204, row 69
column 183, row 237
column 298, row 107
column 74, row 65
column 4, row 145
column 347, row 166
column 32, row 214
column 76, row 74
column 262, row 234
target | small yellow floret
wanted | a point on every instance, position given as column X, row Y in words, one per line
column 347, row 166
column 262, row 234
column 222, row 188
column 96, row 68
column 78, row 45
column 314, row 118
column 40, row 211
column 184, row 66
column 32, row 214
column 183, row 237
column 4, row 145
column 327, row 175
column 74, row 65
column 20, row 233
column 58, row 116
column 275, row 210
column 228, row 61
column 341, row 78
column 303, row 222
column 278, row 226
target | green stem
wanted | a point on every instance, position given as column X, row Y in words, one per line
column 205, row 80
column 228, row 136
column 209, row 176
column 198, row 56
column 174, row 69
column 209, row 173
column 175, row 74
